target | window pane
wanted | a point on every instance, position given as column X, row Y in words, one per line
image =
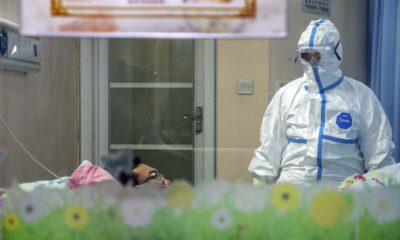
column 151, row 60
column 151, row 116
column 163, row 160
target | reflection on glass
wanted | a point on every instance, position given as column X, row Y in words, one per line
column 163, row 160
column 151, row 60
column 151, row 116
column 151, row 91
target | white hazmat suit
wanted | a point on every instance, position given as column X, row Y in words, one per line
column 323, row 126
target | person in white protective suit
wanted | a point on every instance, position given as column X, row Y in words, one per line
column 323, row 126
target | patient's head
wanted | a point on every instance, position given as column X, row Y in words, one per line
column 143, row 173
column 130, row 170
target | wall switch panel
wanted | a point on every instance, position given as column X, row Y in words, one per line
column 245, row 87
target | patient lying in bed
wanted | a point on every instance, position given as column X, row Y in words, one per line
column 130, row 170
column 121, row 168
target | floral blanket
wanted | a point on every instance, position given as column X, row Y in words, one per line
column 384, row 177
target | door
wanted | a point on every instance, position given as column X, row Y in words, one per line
column 155, row 97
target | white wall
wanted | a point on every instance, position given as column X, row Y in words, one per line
column 238, row 116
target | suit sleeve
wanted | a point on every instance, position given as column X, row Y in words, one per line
column 375, row 137
column 266, row 161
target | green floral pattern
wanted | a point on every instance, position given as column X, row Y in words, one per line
column 216, row 210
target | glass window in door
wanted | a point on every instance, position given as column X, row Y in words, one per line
column 151, row 102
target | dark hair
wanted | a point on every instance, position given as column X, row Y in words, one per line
column 125, row 178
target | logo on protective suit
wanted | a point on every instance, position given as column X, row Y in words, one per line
column 344, row 120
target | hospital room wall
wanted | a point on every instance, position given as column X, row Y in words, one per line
column 42, row 110
column 270, row 64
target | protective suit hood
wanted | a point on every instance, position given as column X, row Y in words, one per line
column 323, row 37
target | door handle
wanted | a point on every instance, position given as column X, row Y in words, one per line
column 197, row 118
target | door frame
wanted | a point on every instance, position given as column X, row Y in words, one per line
column 94, row 85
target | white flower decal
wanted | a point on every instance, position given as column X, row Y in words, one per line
column 221, row 219
column 55, row 198
column 7, row 207
column 137, row 211
column 87, row 196
column 383, row 204
column 213, row 193
column 249, row 199
column 30, row 206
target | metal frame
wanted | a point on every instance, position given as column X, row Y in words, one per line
column 204, row 149
column 132, row 10
column 94, row 109
column 95, row 104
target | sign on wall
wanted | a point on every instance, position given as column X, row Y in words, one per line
column 317, row 6
column 155, row 18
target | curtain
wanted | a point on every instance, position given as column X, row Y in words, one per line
column 383, row 60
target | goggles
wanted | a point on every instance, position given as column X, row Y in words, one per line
column 312, row 58
column 314, row 55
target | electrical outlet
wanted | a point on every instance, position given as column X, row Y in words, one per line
column 245, row 87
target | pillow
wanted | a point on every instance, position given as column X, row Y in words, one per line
column 86, row 174
column 56, row 183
